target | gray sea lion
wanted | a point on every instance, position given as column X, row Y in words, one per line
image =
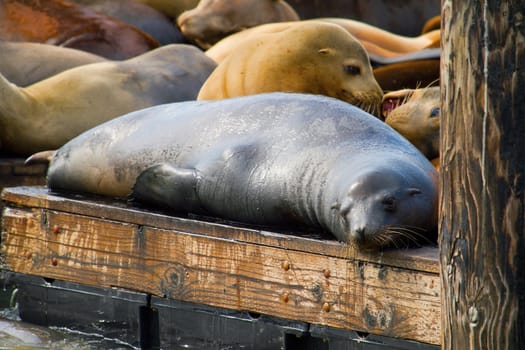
column 271, row 159
column 25, row 63
column 46, row 114
column 415, row 114
column 306, row 57
column 139, row 15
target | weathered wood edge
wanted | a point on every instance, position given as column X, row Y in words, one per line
column 300, row 285
column 419, row 259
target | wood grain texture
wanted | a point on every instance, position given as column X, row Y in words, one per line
column 482, row 233
column 224, row 267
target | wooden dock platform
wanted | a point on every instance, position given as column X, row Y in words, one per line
column 308, row 278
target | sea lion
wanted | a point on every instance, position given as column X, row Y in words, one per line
column 24, row 63
column 66, row 24
column 47, row 114
column 381, row 45
column 310, row 57
column 395, row 43
column 415, row 114
column 159, row 26
column 171, row 8
column 270, row 159
column 431, row 24
column 405, row 17
column 408, row 71
column 212, row 20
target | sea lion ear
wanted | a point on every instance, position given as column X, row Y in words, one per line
column 325, row 51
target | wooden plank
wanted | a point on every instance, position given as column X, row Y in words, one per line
column 302, row 285
column 420, row 259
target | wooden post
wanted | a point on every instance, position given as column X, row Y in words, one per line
column 482, row 235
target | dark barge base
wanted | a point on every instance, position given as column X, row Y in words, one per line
column 150, row 322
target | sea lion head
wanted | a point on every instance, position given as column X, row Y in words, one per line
column 415, row 114
column 343, row 68
column 213, row 20
column 387, row 206
column 339, row 64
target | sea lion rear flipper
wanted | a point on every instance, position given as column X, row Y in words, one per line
column 167, row 185
column 43, row 157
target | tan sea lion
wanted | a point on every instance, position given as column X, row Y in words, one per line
column 66, row 24
column 310, row 57
column 415, row 114
column 380, row 44
column 386, row 40
column 46, row 114
column 24, row 63
column 405, row 17
column 212, row 20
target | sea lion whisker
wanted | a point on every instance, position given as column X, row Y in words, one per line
column 431, row 84
column 412, row 234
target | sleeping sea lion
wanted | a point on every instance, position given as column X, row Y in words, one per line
column 24, row 63
column 270, row 159
column 415, row 114
column 309, row 57
column 47, row 114
column 212, row 20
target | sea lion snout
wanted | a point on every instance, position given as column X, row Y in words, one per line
column 387, row 207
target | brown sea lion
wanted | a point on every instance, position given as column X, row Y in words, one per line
column 212, row 20
column 432, row 24
column 415, row 114
column 24, row 63
column 310, row 57
column 408, row 71
column 46, row 114
column 66, row 24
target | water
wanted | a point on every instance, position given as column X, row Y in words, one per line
column 18, row 335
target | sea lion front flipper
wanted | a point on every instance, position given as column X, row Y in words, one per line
column 167, row 185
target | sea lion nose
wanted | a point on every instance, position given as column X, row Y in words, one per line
column 358, row 236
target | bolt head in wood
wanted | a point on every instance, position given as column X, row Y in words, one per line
column 285, row 297
column 326, row 307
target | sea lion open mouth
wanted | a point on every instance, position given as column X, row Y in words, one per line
column 394, row 99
